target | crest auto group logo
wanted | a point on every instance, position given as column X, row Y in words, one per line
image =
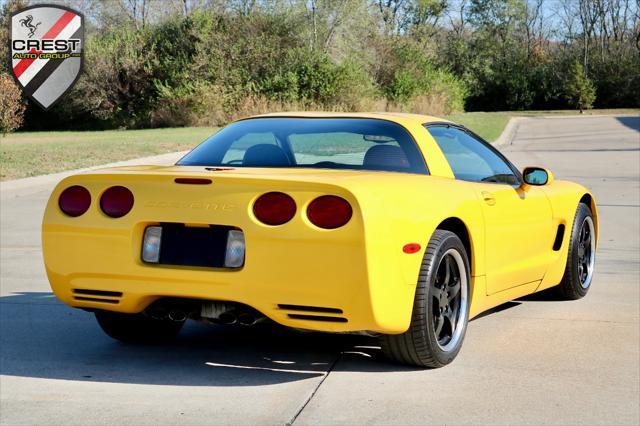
column 47, row 43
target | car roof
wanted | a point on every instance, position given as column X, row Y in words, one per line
column 398, row 117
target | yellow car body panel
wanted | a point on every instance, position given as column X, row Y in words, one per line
column 359, row 268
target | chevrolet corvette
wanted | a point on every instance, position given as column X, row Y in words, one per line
column 396, row 225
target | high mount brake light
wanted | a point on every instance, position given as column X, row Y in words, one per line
column 329, row 212
column 274, row 208
column 75, row 201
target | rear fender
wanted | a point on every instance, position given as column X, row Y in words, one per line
column 411, row 215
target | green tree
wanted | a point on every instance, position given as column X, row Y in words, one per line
column 11, row 106
column 192, row 62
column 580, row 91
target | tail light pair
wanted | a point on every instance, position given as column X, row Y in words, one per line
column 326, row 211
column 115, row 202
column 273, row 208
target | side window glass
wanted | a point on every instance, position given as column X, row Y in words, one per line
column 469, row 158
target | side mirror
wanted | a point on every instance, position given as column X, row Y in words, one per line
column 537, row 176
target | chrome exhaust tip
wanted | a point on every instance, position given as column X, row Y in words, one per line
column 177, row 315
column 246, row 319
column 227, row 318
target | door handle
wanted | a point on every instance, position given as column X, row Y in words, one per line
column 488, row 198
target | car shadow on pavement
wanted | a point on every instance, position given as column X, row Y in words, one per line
column 40, row 337
column 633, row 122
column 549, row 295
column 496, row 309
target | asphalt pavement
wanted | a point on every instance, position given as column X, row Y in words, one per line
column 537, row 360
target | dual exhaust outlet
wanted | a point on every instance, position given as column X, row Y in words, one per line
column 220, row 312
column 242, row 318
column 228, row 313
column 225, row 318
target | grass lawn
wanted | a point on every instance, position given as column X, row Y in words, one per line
column 488, row 125
column 25, row 154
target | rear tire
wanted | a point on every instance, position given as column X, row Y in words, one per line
column 137, row 328
column 578, row 272
column 441, row 307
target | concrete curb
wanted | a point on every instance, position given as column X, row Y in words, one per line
column 511, row 129
column 509, row 133
column 38, row 183
column 568, row 117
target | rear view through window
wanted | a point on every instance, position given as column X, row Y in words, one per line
column 336, row 143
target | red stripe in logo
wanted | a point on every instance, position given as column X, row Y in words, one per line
column 59, row 26
column 53, row 32
column 23, row 64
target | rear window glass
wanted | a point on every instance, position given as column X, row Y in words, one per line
column 340, row 143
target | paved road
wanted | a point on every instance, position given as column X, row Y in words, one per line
column 535, row 361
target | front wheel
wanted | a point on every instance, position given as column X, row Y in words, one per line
column 581, row 257
column 441, row 307
column 137, row 328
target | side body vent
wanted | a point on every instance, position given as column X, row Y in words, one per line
column 557, row 244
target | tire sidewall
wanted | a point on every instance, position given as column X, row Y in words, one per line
column 450, row 242
column 581, row 214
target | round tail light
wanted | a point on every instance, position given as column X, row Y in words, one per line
column 329, row 212
column 274, row 208
column 116, row 201
column 74, row 201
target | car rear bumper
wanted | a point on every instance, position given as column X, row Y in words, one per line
column 101, row 269
column 91, row 269
column 333, row 283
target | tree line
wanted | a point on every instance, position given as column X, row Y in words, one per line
column 153, row 63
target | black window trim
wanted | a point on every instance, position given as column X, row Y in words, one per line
column 491, row 148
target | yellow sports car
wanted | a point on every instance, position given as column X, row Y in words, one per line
column 398, row 225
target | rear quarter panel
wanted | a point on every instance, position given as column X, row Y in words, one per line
column 398, row 210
